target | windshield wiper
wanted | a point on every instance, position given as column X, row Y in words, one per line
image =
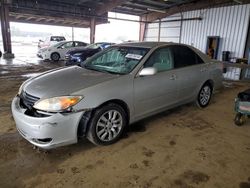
column 100, row 70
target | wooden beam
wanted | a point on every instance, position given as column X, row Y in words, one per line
column 30, row 18
column 92, row 30
column 49, row 20
column 189, row 7
column 5, row 26
column 109, row 6
column 142, row 29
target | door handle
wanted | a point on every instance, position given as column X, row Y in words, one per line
column 173, row 77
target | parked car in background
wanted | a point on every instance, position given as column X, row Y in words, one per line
column 57, row 51
column 75, row 57
column 49, row 41
column 116, row 87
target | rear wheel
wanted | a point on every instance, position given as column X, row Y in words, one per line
column 107, row 124
column 1, row 54
column 204, row 96
column 55, row 56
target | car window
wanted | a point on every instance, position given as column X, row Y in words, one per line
column 77, row 44
column 67, row 45
column 183, row 56
column 161, row 59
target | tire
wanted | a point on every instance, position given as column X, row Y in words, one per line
column 55, row 56
column 204, row 95
column 102, row 128
column 1, row 54
column 239, row 119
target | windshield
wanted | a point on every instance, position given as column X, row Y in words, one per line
column 117, row 59
column 57, row 38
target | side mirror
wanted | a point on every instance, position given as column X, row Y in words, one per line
column 149, row 71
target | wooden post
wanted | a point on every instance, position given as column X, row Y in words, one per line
column 159, row 31
column 5, row 25
column 92, row 30
column 142, row 29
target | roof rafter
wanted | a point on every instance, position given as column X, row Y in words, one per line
column 109, row 6
column 188, row 7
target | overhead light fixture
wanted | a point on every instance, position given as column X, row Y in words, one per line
column 156, row 10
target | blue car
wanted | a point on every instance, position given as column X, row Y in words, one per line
column 75, row 57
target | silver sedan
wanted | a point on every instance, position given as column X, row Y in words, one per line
column 114, row 88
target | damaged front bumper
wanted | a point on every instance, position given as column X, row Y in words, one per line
column 53, row 130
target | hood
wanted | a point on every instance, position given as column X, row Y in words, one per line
column 64, row 81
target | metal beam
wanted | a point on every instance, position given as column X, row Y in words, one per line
column 189, row 7
column 109, row 6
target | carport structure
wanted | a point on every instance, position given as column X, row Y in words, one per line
column 88, row 13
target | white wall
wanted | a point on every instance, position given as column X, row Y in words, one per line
column 230, row 23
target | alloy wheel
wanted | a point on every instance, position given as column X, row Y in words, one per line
column 109, row 125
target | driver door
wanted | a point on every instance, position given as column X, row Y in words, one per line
column 159, row 91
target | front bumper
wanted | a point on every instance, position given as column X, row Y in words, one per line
column 46, row 132
column 43, row 55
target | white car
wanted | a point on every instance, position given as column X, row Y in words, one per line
column 49, row 41
column 57, row 51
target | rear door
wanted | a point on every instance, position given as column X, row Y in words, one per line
column 153, row 93
column 65, row 48
column 191, row 72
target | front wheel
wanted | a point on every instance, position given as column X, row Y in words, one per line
column 55, row 56
column 107, row 124
column 204, row 96
column 239, row 119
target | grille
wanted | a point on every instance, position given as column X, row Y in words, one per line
column 28, row 100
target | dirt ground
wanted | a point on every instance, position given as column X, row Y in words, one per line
column 182, row 148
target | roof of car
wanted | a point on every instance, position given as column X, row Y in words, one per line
column 145, row 44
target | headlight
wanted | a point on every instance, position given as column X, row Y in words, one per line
column 57, row 104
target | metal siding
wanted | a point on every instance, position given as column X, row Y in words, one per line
column 230, row 23
column 151, row 32
column 170, row 31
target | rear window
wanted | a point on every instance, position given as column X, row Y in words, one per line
column 184, row 56
column 57, row 38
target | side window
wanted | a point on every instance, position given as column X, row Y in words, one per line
column 68, row 45
column 77, row 44
column 183, row 56
column 161, row 59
